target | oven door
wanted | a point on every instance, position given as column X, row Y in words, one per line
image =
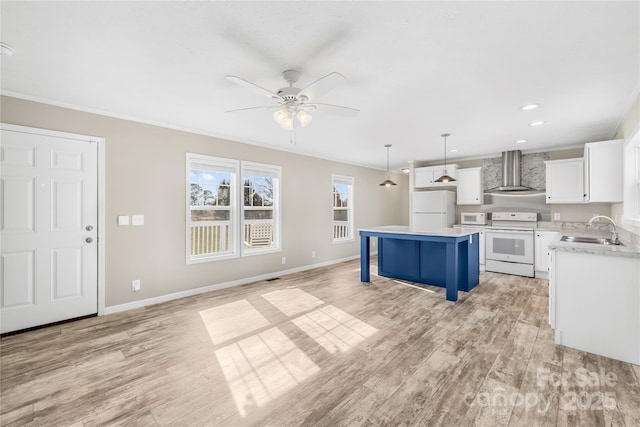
column 510, row 245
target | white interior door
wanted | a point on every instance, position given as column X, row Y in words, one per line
column 49, row 214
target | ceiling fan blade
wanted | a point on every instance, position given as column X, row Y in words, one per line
column 245, row 83
column 322, row 85
column 262, row 107
column 337, row 110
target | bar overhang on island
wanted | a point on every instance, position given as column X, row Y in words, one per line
column 447, row 257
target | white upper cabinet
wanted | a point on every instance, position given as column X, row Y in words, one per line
column 565, row 181
column 425, row 177
column 603, row 172
column 470, row 186
column 541, row 249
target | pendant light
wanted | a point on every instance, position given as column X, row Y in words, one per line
column 387, row 182
column 445, row 177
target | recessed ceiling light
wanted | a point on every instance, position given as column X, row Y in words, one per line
column 521, row 141
column 405, row 170
column 529, row 107
column 6, row 49
column 536, row 123
column 454, row 150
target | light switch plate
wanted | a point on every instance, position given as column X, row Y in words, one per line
column 137, row 219
column 123, row 219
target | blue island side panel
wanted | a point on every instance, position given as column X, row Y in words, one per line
column 399, row 259
column 425, row 261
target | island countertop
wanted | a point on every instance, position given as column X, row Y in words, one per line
column 405, row 229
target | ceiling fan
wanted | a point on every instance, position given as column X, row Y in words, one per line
column 290, row 101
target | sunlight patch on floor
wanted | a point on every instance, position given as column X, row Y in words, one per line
column 334, row 329
column 230, row 321
column 262, row 367
column 411, row 285
column 258, row 361
column 292, row 301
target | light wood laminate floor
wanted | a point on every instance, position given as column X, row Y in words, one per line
column 318, row 348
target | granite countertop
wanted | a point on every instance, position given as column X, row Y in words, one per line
column 630, row 241
column 630, row 249
column 405, row 229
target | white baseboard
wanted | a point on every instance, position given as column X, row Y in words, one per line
column 169, row 297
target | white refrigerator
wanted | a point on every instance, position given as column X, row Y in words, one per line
column 433, row 210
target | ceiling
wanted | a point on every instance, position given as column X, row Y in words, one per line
column 414, row 69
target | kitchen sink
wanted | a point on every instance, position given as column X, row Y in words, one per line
column 592, row 240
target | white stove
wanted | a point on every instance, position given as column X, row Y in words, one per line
column 509, row 243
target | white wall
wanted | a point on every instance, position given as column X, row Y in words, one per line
column 145, row 174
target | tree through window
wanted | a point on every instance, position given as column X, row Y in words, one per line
column 260, row 218
column 342, row 208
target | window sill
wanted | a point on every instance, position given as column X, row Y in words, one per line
column 211, row 258
column 260, row 252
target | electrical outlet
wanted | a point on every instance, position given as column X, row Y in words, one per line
column 284, row 259
column 135, row 285
column 556, row 217
column 313, row 254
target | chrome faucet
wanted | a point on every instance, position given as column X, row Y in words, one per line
column 614, row 233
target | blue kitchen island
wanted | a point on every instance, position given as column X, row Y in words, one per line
column 447, row 257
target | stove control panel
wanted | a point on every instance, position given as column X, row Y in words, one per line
column 514, row 216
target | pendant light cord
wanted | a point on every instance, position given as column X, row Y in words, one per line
column 387, row 146
column 445, row 135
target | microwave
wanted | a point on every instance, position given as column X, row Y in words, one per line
column 475, row 218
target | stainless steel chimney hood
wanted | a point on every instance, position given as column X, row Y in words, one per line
column 511, row 162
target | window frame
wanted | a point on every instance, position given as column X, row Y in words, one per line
column 233, row 166
column 350, row 182
column 631, row 179
column 275, row 172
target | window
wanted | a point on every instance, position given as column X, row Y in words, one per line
column 211, row 208
column 342, row 208
column 260, row 208
column 631, row 204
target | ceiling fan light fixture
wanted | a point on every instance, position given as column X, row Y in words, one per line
column 304, row 118
column 287, row 124
column 280, row 116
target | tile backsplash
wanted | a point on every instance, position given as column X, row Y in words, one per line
column 532, row 171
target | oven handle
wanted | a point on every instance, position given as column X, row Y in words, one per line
column 491, row 230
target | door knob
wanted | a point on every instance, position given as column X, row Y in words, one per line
column 89, row 227
column 88, row 240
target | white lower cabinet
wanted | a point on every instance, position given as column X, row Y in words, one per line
column 552, row 290
column 594, row 303
column 541, row 249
